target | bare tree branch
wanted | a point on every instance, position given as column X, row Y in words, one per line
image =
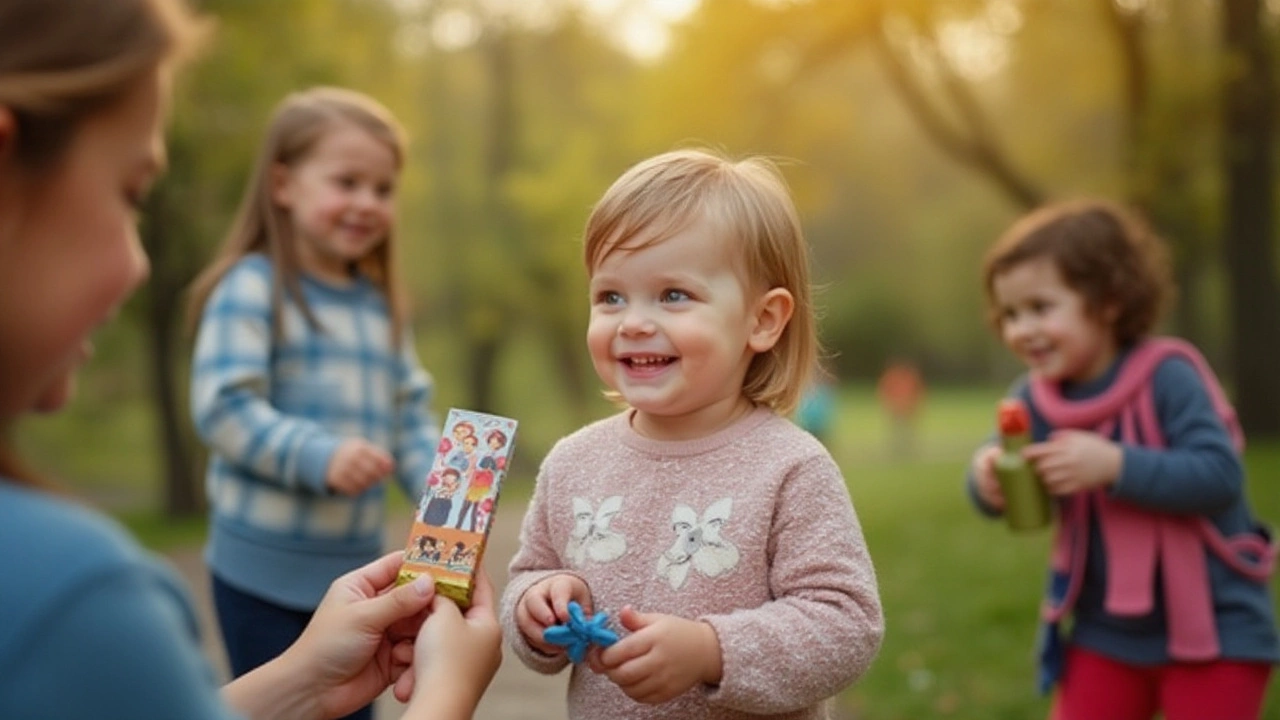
column 972, row 144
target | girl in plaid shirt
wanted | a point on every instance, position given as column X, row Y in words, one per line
column 305, row 383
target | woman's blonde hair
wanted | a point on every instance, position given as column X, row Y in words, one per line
column 748, row 201
column 261, row 225
column 64, row 61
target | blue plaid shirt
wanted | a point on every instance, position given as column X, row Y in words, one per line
column 273, row 410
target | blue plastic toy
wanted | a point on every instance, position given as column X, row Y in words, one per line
column 579, row 633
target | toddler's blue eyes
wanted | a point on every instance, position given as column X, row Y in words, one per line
column 610, row 297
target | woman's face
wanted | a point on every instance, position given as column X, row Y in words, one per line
column 69, row 248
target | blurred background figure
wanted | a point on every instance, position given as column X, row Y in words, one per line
column 816, row 411
column 901, row 394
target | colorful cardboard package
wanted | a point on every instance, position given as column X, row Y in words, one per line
column 452, row 522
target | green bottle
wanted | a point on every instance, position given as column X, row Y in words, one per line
column 1026, row 504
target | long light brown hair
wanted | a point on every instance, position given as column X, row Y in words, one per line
column 61, row 63
column 748, row 201
column 262, row 226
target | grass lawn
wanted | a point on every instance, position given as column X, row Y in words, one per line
column 960, row 592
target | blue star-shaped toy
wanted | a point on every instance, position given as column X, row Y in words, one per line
column 579, row 633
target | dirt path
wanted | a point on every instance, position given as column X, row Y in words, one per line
column 517, row 693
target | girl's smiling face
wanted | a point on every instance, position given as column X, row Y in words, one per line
column 69, row 248
column 340, row 199
column 1048, row 326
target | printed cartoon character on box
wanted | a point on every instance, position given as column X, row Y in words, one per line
column 441, row 488
column 461, row 430
column 483, row 511
column 428, row 549
column 462, row 558
column 462, row 456
column 493, row 462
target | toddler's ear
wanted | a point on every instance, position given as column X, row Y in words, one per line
column 773, row 312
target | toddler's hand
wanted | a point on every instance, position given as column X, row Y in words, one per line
column 356, row 466
column 456, row 653
column 662, row 658
column 546, row 604
column 984, row 476
column 1074, row 460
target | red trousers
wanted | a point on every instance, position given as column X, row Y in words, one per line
column 1095, row 687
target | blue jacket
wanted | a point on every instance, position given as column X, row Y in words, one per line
column 1197, row 472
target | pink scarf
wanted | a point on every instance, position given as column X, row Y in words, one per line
column 1136, row 540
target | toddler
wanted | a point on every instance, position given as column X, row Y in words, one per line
column 722, row 534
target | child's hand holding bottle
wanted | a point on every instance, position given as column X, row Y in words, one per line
column 356, row 466
column 984, row 475
column 1074, row 460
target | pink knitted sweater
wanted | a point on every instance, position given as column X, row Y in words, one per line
column 750, row 529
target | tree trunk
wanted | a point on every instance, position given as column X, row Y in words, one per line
column 164, row 302
column 1254, row 299
column 570, row 363
column 1154, row 179
column 483, row 355
column 488, row 343
column 502, row 128
column 181, row 496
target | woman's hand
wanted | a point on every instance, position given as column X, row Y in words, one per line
column 455, row 657
column 357, row 644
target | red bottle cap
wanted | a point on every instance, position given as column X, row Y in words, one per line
column 1012, row 417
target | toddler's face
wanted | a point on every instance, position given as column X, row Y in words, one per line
column 1046, row 324
column 73, row 256
column 340, row 199
column 672, row 331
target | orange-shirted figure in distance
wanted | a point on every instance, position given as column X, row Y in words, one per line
column 901, row 394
